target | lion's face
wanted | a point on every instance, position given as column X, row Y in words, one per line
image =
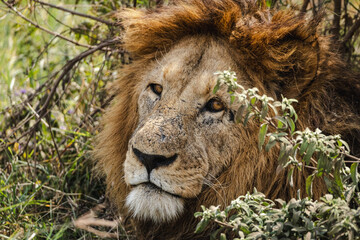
column 185, row 136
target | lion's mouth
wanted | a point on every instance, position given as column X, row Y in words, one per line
column 150, row 187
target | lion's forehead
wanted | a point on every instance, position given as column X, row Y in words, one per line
column 188, row 68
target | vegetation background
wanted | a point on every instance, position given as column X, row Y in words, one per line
column 57, row 62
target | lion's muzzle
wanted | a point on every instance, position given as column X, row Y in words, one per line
column 153, row 161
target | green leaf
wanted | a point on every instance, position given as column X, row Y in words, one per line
column 262, row 134
column 273, row 108
column 303, row 147
column 264, row 110
column 308, row 185
column 284, row 155
column 321, row 164
column 198, row 214
column 270, row 144
column 346, row 145
column 282, row 151
column 291, row 124
column 216, row 88
column 284, row 158
column 253, row 101
column 247, row 117
column 354, row 173
column 329, row 184
column 240, row 113
column 200, row 227
column 232, row 99
column 337, row 176
column 222, row 236
column 309, row 152
column 290, row 177
column 282, row 123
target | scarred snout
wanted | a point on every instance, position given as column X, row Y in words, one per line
column 160, row 136
column 153, row 161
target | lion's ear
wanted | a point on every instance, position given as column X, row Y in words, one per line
column 283, row 51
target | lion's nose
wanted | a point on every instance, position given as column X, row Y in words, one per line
column 153, row 161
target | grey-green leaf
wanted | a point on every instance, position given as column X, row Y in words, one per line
column 308, row 184
column 309, row 152
column 202, row 225
column 262, row 134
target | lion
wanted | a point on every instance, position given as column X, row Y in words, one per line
column 169, row 144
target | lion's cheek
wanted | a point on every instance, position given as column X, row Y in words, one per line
column 186, row 183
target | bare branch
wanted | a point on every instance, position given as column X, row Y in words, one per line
column 44, row 29
column 304, row 6
column 90, row 219
column 351, row 31
column 77, row 13
column 335, row 30
column 351, row 157
column 159, row 3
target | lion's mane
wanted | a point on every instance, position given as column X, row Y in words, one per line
column 287, row 56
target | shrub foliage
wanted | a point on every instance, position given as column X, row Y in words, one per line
column 335, row 216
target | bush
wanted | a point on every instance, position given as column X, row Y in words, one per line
column 335, row 216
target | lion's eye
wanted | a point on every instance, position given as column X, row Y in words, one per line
column 214, row 105
column 156, row 88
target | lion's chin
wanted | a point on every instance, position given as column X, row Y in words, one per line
column 148, row 203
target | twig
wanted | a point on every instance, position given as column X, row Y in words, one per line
column 159, row 3
column 37, row 115
column 223, row 224
column 335, row 30
column 313, row 7
column 304, row 6
column 351, row 31
column 90, row 219
column 45, row 29
column 55, row 145
column 77, row 13
column 351, row 157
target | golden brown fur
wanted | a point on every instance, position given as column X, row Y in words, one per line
column 279, row 53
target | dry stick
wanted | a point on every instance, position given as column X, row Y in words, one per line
column 351, row 157
column 90, row 219
column 77, row 13
column 351, row 31
column 304, row 6
column 56, row 147
column 44, row 29
column 336, row 20
column 313, row 7
column 159, row 3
